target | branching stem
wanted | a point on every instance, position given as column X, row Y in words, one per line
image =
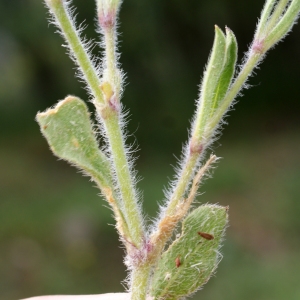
column 217, row 96
column 279, row 9
column 112, row 119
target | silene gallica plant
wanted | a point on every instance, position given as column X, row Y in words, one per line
column 158, row 266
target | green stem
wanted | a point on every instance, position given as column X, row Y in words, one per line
column 69, row 31
column 264, row 17
column 110, row 52
column 127, row 191
column 116, row 142
column 196, row 147
column 193, row 158
column 111, row 72
column 112, row 124
column 140, row 282
column 233, row 91
column 280, row 7
column 185, row 178
column 201, row 135
column 284, row 25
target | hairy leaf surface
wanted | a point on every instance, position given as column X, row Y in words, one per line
column 192, row 258
column 69, row 132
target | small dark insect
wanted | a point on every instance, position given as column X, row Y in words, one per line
column 45, row 127
column 177, row 262
column 206, row 236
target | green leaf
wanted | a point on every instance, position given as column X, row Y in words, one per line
column 69, row 132
column 212, row 74
column 227, row 72
column 284, row 25
column 193, row 257
column 264, row 17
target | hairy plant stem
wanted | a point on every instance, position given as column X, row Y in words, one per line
column 183, row 182
column 116, row 140
column 237, row 85
column 110, row 53
column 111, row 123
column 140, row 281
column 265, row 16
column 193, row 158
column 279, row 9
column 144, row 252
column 271, row 28
column 69, row 31
column 197, row 144
column 284, row 24
column 201, row 134
column 132, row 216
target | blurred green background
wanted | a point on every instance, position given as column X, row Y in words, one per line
column 54, row 237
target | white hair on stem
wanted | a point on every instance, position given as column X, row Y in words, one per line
column 88, row 45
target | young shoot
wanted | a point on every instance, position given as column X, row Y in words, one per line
column 156, row 270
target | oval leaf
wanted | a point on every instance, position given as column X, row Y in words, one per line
column 192, row 258
column 69, row 132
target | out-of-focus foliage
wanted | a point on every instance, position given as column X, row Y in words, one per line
column 54, row 236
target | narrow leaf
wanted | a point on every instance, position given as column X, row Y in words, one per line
column 211, row 75
column 285, row 24
column 192, row 258
column 227, row 72
column 69, row 132
column 265, row 15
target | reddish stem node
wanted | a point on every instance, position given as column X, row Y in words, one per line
column 107, row 20
column 196, row 148
column 258, row 46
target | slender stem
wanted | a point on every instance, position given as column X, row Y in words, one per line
column 121, row 166
column 77, row 48
column 234, row 90
column 116, row 141
column 140, row 282
column 110, row 52
column 284, row 25
column 112, row 123
column 265, row 16
column 185, row 177
column 280, row 7
column 193, row 158
column 197, row 145
column 199, row 139
column 112, row 72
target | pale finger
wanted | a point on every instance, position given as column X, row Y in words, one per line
column 110, row 296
